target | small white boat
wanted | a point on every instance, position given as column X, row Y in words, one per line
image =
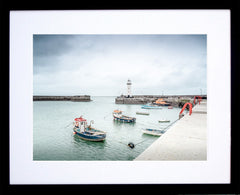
column 142, row 113
column 164, row 121
column 155, row 132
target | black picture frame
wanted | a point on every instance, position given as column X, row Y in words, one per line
column 232, row 188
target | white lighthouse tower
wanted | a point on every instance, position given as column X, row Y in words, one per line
column 129, row 83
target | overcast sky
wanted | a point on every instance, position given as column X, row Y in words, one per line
column 101, row 64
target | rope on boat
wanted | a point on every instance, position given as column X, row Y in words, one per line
column 154, row 125
column 106, row 115
column 130, row 144
column 170, row 124
column 68, row 124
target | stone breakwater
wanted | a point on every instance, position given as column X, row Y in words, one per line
column 77, row 98
column 174, row 100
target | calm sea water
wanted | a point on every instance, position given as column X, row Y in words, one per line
column 53, row 137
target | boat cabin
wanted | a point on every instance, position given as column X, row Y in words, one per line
column 117, row 112
column 80, row 123
column 161, row 102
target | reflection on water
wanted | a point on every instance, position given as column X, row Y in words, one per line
column 119, row 123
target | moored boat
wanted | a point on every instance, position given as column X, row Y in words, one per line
column 87, row 132
column 117, row 115
column 155, row 132
column 164, row 121
column 151, row 107
column 142, row 113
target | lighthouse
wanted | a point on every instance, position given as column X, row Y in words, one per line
column 129, row 83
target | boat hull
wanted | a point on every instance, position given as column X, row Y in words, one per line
column 142, row 113
column 151, row 107
column 124, row 120
column 164, row 121
column 153, row 132
column 165, row 104
column 90, row 136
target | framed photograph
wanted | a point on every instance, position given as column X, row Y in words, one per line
column 120, row 97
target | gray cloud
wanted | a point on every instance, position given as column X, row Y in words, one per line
column 101, row 64
column 51, row 45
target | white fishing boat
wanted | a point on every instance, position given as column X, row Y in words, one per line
column 155, row 132
column 164, row 121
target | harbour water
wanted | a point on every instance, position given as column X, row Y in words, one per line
column 53, row 137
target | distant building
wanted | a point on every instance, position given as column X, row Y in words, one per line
column 129, row 84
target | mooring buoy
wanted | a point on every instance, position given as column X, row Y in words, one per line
column 131, row 145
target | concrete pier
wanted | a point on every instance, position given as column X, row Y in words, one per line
column 185, row 140
column 77, row 98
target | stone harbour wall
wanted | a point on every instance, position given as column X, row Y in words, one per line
column 79, row 98
column 175, row 100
